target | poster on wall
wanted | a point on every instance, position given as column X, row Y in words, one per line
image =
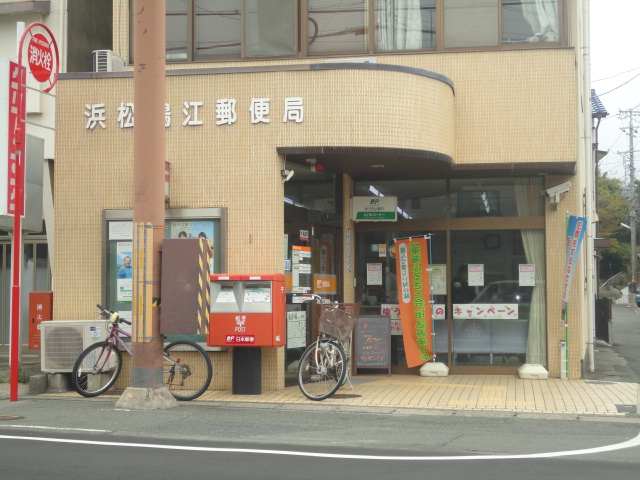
column 296, row 329
column 120, row 230
column 124, row 271
column 527, row 277
column 476, row 274
column 300, row 269
column 193, row 229
column 374, row 274
column 439, row 279
column 190, row 229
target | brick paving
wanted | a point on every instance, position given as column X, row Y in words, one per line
column 499, row 393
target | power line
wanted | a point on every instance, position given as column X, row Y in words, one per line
column 616, row 75
column 621, row 85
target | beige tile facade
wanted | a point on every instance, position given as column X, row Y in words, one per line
column 510, row 107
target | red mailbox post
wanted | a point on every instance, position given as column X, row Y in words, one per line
column 247, row 311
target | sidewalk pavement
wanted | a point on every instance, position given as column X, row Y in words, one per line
column 603, row 393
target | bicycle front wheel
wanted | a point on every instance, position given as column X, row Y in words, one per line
column 96, row 369
column 186, row 369
column 321, row 370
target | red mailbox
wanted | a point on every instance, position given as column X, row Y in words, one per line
column 247, row 311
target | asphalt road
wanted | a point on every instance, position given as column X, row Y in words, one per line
column 58, row 439
column 626, row 341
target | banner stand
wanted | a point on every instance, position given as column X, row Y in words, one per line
column 433, row 368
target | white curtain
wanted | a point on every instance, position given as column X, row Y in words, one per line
column 542, row 16
column 399, row 25
column 528, row 200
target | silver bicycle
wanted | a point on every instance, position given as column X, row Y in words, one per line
column 324, row 364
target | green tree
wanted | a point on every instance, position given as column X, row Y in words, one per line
column 613, row 209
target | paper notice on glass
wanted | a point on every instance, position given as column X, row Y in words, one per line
column 374, row 274
column 439, row 279
column 527, row 275
column 476, row 274
column 296, row 329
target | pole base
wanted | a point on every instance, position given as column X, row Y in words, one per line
column 531, row 371
column 434, row 369
column 146, row 399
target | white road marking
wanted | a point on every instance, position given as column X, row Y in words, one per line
column 634, row 442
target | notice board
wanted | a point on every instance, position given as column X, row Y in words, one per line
column 373, row 342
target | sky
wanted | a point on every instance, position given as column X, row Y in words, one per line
column 615, row 60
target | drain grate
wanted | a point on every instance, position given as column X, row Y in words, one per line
column 626, row 408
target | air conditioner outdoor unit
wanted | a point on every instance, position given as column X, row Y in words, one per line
column 107, row 61
column 64, row 340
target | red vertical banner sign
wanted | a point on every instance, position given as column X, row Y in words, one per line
column 414, row 294
column 17, row 99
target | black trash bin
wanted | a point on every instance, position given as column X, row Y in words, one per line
column 247, row 371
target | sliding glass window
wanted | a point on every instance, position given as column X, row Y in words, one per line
column 269, row 28
column 336, row 26
column 530, row 21
column 218, row 28
column 405, row 25
column 471, row 23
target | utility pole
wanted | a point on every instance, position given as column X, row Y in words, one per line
column 633, row 201
column 147, row 389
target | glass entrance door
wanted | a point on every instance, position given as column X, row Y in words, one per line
column 377, row 287
column 313, row 264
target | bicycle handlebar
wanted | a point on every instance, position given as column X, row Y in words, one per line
column 317, row 298
column 106, row 311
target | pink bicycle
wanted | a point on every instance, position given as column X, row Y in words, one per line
column 186, row 367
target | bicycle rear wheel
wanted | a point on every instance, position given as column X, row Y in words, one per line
column 186, row 369
column 96, row 369
column 321, row 370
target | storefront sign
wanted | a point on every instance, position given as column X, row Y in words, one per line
column 412, row 264
column 374, row 209
column 326, row 284
column 372, row 341
column 487, row 311
column 197, row 113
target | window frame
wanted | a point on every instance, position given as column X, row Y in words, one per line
column 302, row 33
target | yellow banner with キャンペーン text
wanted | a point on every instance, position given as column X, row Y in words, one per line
column 414, row 297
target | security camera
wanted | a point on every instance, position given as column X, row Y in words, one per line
column 286, row 175
column 555, row 192
column 558, row 189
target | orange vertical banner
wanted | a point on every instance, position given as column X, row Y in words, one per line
column 414, row 294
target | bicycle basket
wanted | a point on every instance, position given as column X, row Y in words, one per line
column 338, row 320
